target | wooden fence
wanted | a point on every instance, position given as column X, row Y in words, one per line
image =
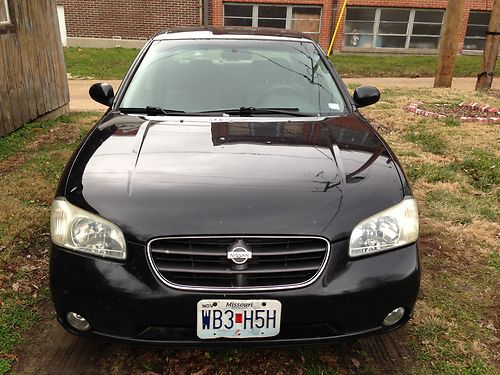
column 33, row 78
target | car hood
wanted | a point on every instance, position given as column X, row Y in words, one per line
column 231, row 175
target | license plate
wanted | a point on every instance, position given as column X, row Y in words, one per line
column 238, row 318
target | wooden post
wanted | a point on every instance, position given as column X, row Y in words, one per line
column 491, row 45
column 448, row 47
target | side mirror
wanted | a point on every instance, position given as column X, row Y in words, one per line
column 366, row 95
column 102, row 93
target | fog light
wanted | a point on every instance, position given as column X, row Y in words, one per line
column 394, row 316
column 78, row 322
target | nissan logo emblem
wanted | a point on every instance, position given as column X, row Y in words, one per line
column 239, row 252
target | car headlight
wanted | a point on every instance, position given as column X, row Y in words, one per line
column 79, row 230
column 391, row 228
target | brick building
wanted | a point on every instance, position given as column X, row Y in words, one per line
column 410, row 26
column 126, row 23
column 395, row 26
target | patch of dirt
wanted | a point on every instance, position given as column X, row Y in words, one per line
column 59, row 134
column 49, row 349
column 494, row 93
column 455, row 111
column 12, row 163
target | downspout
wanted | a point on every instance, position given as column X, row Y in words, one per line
column 200, row 7
column 205, row 13
column 334, row 14
column 341, row 15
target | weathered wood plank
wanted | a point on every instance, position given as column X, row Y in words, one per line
column 8, row 124
column 4, row 107
column 32, row 69
column 24, row 40
column 55, row 42
column 16, row 83
column 33, row 57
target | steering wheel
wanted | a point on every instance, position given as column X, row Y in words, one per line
column 283, row 90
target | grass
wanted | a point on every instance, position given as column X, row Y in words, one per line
column 16, row 141
column 99, row 63
column 423, row 135
column 453, row 168
column 378, row 65
column 482, row 167
column 458, row 207
column 113, row 63
column 431, row 172
column 31, row 159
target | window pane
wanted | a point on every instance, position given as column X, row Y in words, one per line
column 476, row 31
column 401, row 15
column 429, row 16
column 306, row 13
column 279, row 24
column 306, row 25
column 358, row 27
column 391, row 41
column 392, row 28
column 237, row 10
column 228, row 21
column 271, row 12
column 360, row 14
column 423, row 29
column 358, row 41
column 479, row 18
column 474, row 44
column 424, row 42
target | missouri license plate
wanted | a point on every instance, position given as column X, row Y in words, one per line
column 234, row 318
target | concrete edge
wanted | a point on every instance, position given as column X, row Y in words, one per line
column 62, row 110
column 104, row 43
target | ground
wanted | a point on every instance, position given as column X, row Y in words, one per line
column 453, row 168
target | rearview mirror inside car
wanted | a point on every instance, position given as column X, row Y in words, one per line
column 366, row 95
column 102, row 93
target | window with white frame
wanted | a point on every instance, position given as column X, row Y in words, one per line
column 303, row 18
column 402, row 28
column 4, row 13
column 476, row 30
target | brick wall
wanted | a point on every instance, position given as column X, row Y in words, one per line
column 436, row 4
column 141, row 19
column 128, row 19
column 326, row 14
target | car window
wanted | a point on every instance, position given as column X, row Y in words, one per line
column 204, row 75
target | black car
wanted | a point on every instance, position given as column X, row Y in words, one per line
column 233, row 194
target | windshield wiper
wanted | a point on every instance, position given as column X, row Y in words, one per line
column 249, row 111
column 152, row 111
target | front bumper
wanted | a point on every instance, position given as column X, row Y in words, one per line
column 125, row 300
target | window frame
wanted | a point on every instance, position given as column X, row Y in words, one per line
column 475, row 24
column 408, row 35
column 289, row 15
column 8, row 22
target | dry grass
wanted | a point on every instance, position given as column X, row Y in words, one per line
column 27, row 185
column 454, row 171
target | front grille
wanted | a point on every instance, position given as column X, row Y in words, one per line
column 202, row 263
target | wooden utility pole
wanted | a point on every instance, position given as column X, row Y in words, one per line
column 491, row 45
column 448, row 47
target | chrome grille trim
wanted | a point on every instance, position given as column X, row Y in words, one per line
column 236, row 289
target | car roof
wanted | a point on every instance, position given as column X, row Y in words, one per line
column 255, row 33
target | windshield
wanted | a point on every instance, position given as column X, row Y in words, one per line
column 206, row 75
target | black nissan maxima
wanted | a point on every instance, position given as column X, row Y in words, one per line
column 232, row 194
